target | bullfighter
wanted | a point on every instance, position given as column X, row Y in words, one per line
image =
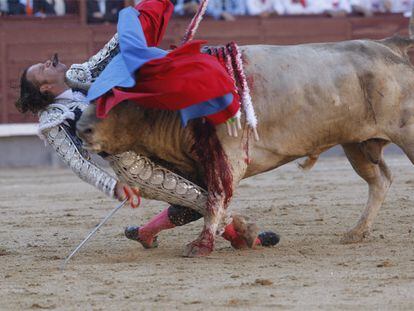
column 44, row 90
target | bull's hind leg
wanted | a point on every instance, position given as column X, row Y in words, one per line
column 367, row 160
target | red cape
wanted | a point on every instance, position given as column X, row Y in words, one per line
column 182, row 78
column 176, row 81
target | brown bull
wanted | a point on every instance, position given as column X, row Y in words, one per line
column 308, row 98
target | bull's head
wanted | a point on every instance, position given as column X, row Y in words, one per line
column 112, row 134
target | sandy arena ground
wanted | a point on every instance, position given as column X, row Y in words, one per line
column 45, row 213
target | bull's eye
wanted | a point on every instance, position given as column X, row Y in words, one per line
column 88, row 131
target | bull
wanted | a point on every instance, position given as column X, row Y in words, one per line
column 308, row 98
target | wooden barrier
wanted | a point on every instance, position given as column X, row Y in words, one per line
column 25, row 41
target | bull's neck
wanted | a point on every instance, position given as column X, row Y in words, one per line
column 164, row 137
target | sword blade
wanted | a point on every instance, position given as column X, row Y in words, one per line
column 92, row 233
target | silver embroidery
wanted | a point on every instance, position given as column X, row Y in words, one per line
column 52, row 123
column 81, row 76
column 62, row 109
column 154, row 182
column 78, row 160
column 158, row 183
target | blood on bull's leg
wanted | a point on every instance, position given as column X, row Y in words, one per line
column 239, row 232
column 205, row 242
column 218, row 177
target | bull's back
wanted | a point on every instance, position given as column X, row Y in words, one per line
column 323, row 92
column 313, row 96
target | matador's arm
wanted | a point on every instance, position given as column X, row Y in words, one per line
column 69, row 151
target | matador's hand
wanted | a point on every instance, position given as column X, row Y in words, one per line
column 123, row 191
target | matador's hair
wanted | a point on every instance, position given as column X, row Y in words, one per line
column 31, row 99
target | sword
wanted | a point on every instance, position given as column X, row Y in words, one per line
column 62, row 267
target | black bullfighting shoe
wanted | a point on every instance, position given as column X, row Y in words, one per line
column 132, row 233
column 268, row 238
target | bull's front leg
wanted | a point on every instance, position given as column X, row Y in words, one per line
column 205, row 242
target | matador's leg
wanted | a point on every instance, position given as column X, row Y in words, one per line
column 188, row 203
column 239, row 232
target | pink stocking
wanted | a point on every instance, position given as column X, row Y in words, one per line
column 154, row 226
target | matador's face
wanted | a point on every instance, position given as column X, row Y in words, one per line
column 50, row 72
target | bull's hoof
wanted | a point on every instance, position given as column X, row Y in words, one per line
column 248, row 232
column 242, row 234
column 354, row 236
column 132, row 233
column 201, row 247
column 198, row 249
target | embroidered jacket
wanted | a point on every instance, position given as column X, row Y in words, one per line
column 57, row 128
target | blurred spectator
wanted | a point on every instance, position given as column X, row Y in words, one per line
column 60, row 7
column 185, row 7
column 101, row 11
column 291, row 7
column 4, row 7
column 71, row 7
column 43, row 7
column 397, row 6
column 330, row 7
column 236, row 7
column 374, row 5
column 261, row 8
column 36, row 7
column 366, row 7
column 226, row 9
column 132, row 3
column 17, row 7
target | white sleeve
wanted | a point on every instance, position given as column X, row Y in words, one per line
column 78, row 159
